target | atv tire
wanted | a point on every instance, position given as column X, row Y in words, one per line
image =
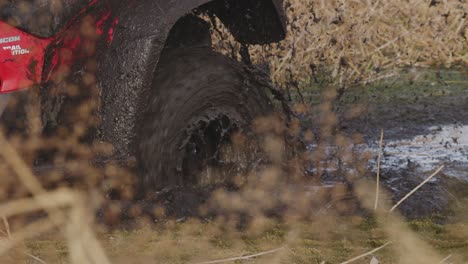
column 198, row 100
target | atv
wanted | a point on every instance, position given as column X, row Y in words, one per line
column 165, row 96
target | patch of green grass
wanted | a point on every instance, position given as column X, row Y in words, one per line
column 408, row 84
column 55, row 250
column 427, row 226
column 221, row 242
column 368, row 223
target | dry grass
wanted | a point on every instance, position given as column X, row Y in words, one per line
column 379, row 156
column 362, row 41
column 325, row 216
column 279, row 215
column 416, row 188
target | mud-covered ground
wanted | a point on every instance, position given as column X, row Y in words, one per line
column 408, row 105
column 425, row 123
column 424, row 116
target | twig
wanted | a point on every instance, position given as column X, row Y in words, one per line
column 82, row 242
column 25, row 175
column 85, row 239
column 377, row 187
column 392, row 41
column 7, row 226
column 35, row 258
column 34, row 229
column 55, row 199
column 366, row 254
column 445, row 259
column 370, row 80
column 242, row 258
column 13, row 159
column 417, row 187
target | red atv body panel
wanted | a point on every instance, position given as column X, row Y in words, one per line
column 122, row 40
column 22, row 55
column 22, row 58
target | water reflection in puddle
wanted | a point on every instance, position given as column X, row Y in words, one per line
column 442, row 145
column 446, row 145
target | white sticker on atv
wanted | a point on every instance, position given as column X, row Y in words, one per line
column 10, row 39
column 16, row 50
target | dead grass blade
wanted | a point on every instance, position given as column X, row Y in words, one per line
column 7, row 226
column 30, row 231
column 366, row 254
column 50, row 200
column 242, row 258
column 17, row 164
column 83, row 244
column 35, row 258
column 24, row 173
column 417, row 188
column 377, row 187
column 445, row 259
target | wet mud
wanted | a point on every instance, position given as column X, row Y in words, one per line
column 198, row 99
column 425, row 127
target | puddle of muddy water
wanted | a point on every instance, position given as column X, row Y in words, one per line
column 406, row 162
column 443, row 145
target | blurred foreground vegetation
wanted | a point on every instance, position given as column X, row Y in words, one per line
column 306, row 242
column 362, row 51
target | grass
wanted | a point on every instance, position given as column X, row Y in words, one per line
column 351, row 237
column 330, row 44
column 411, row 83
column 362, row 40
column 333, row 238
column 406, row 85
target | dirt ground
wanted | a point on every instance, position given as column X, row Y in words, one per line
column 439, row 210
column 405, row 106
column 411, row 109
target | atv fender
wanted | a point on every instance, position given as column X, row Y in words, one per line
column 126, row 68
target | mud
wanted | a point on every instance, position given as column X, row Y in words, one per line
column 409, row 117
column 424, row 129
column 425, row 126
column 193, row 88
column 3, row 102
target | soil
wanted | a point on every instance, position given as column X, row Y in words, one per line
column 406, row 112
column 409, row 117
column 425, row 124
column 198, row 100
column 413, row 115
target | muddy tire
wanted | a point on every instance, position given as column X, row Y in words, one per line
column 199, row 98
